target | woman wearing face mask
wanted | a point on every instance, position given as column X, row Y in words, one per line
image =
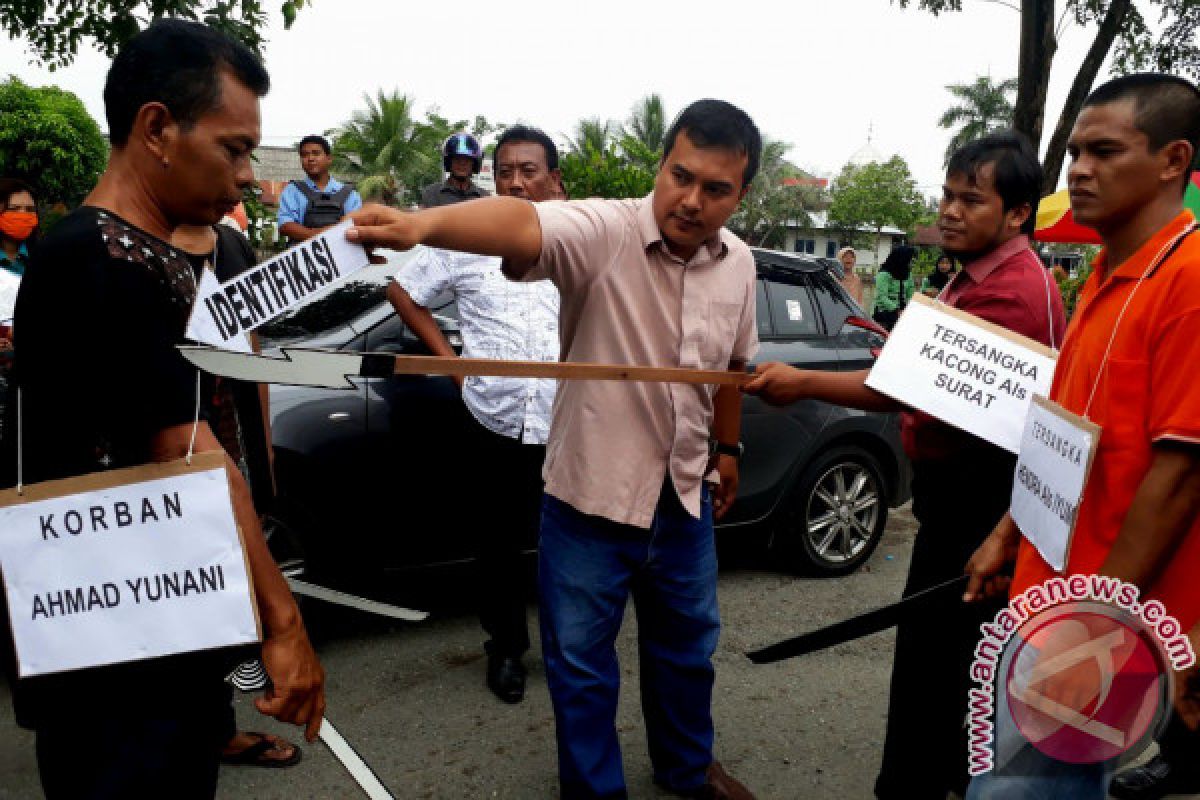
column 18, row 224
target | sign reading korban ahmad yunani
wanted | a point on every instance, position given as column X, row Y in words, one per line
column 225, row 312
column 965, row 371
column 125, row 565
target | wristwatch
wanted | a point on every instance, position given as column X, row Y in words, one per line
column 720, row 448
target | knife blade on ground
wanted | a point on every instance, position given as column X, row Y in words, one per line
column 861, row 625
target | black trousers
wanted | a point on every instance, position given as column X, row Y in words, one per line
column 133, row 754
column 957, row 503
column 503, row 518
column 1180, row 747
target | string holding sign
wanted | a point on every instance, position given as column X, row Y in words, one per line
column 224, row 313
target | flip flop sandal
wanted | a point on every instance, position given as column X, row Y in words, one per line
column 254, row 755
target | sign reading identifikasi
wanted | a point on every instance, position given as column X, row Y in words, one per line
column 965, row 371
column 125, row 565
column 223, row 313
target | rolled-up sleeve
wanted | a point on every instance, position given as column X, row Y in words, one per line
column 425, row 277
column 1174, row 391
column 577, row 242
column 292, row 206
column 353, row 203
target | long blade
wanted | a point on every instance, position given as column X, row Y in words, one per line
column 354, row 601
column 328, row 369
column 332, row 369
column 862, row 625
column 362, row 773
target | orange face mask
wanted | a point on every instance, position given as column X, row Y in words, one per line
column 17, row 225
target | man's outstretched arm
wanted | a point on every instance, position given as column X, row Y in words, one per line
column 781, row 385
column 507, row 227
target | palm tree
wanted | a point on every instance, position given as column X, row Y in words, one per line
column 983, row 107
column 648, row 122
column 774, row 200
column 384, row 149
column 592, row 135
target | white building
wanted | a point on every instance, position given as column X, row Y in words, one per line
column 817, row 240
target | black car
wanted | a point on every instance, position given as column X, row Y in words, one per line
column 371, row 478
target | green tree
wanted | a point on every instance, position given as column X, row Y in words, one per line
column 1120, row 28
column 774, row 199
column 48, row 139
column 389, row 153
column 592, row 135
column 874, row 196
column 54, row 30
column 605, row 173
column 982, row 107
column 648, row 122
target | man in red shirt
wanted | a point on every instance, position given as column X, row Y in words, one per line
column 961, row 484
column 1127, row 365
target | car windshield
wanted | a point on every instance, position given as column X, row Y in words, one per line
column 337, row 305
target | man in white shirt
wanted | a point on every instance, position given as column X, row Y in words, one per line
column 500, row 319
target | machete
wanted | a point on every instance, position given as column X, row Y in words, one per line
column 862, row 625
column 333, row 369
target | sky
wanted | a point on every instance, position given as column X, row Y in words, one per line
column 822, row 75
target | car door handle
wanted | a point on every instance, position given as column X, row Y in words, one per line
column 339, row 416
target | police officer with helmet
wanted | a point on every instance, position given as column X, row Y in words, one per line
column 462, row 157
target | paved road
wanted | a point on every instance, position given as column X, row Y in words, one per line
column 411, row 699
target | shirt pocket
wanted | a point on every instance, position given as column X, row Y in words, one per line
column 721, row 333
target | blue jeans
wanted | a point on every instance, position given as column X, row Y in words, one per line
column 587, row 568
column 1023, row 772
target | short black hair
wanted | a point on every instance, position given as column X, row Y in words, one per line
column 11, row 186
column 177, row 63
column 715, row 123
column 528, row 133
column 1166, row 108
column 1017, row 173
column 313, row 138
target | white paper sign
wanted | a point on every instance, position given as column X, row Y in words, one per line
column 794, row 311
column 1052, row 469
column 9, row 284
column 125, row 572
column 223, row 313
column 963, row 370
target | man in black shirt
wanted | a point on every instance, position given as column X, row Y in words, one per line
column 102, row 306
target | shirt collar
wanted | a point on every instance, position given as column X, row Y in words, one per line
column 1136, row 264
column 22, row 255
column 331, row 187
column 651, row 235
column 979, row 269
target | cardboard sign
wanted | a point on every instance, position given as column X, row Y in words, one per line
column 125, row 565
column 9, row 284
column 1056, row 456
column 963, row 370
column 224, row 313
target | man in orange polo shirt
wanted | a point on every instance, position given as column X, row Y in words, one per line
column 1127, row 365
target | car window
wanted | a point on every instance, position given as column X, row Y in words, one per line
column 792, row 309
column 762, row 308
column 831, row 301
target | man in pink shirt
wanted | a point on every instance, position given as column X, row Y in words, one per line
column 656, row 281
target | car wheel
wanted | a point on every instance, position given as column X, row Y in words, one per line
column 837, row 513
